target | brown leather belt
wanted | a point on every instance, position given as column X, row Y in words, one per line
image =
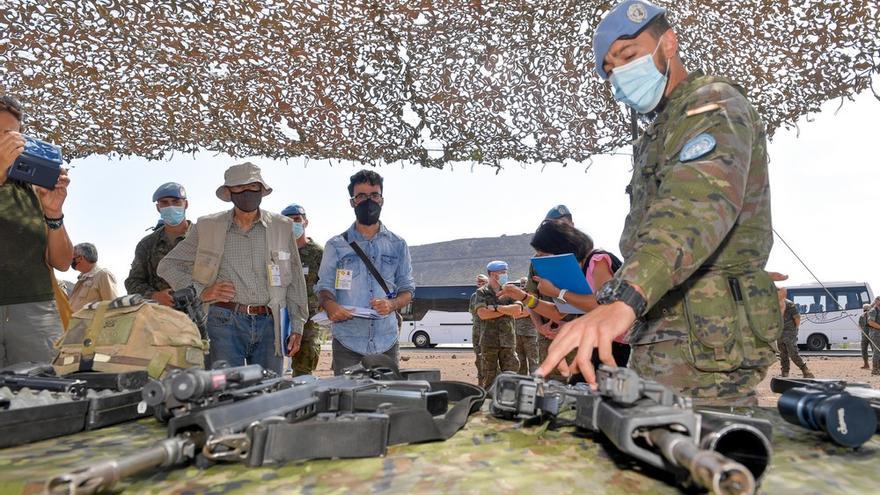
column 248, row 309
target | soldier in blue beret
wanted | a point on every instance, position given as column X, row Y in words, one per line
column 305, row 360
column 693, row 294
column 498, row 339
column 171, row 203
column 560, row 212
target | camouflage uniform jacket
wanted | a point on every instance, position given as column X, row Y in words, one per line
column 478, row 323
column 498, row 332
column 143, row 279
column 310, row 256
column 525, row 327
column 698, row 233
column 789, row 327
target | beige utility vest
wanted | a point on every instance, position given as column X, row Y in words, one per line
column 212, row 239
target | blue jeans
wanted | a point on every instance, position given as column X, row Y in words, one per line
column 241, row 339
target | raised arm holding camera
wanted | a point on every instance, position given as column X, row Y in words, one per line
column 33, row 241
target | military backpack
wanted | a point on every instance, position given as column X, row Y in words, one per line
column 128, row 334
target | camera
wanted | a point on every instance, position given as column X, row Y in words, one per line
column 39, row 163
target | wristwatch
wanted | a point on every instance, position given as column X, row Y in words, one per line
column 561, row 296
column 620, row 290
column 54, row 223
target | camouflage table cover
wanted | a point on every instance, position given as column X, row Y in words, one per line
column 488, row 455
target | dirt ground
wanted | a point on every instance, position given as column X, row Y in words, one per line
column 459, row 365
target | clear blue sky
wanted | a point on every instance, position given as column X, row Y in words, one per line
column 823, row 181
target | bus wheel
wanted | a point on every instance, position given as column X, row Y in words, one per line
column 421, row 339
column 817, row 342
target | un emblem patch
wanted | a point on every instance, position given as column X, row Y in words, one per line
column 701, row 145
column 637, row 13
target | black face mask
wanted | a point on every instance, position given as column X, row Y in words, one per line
column 73, row 264
column 367, row 212
column 247, row 201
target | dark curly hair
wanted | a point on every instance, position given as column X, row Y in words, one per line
column 365, row 177
column 556, row 237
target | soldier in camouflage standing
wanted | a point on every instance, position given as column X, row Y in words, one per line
column 477, row 326
column 866, row 332
column 526, row 341
column 874, row 334
column 703, row 311
column 305, row 361
column 171, row 203
column 788, row 349
column 498, row 339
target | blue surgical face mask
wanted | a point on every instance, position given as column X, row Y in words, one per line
column 172, row 215
column 502, row 279
column 298, row 230
column 639, row 84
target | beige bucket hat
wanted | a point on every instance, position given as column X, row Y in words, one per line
column 239, row 175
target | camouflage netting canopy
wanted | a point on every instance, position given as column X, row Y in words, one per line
column 387, row 80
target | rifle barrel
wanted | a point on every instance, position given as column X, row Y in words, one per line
column 103, row 476
column 707, row 468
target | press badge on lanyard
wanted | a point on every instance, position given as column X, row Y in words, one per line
column 343, row 279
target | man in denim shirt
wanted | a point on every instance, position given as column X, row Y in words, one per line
column 344, row 279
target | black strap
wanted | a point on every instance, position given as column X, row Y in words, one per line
column 372, row 268
column 362, row 435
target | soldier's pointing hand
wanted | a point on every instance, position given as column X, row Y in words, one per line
column 598, row 328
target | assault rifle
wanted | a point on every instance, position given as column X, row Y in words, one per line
column 849, row 413
column 724, row 453
column 187, row 301
column 341, row 417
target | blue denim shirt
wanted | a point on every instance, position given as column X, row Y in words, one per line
column 390, row 254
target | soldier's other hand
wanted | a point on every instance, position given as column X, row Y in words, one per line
column 598, row 328
column 293, row 344
column 777, row 277
column 11, row 145
column 548, row 330
column 53, row 199
column 336, row 312
column 546, row 287
column 382, row 306
column 219, row 292
column 163, row 297
column 512, row 292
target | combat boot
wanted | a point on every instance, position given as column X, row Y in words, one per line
column 807, row 373
column 866, row 366
column 784, row 373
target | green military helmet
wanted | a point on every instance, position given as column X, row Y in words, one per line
column 129, row 334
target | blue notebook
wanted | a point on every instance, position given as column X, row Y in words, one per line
column 565, row 273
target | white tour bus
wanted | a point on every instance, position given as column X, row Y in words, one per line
column 438, row 315
column 830, row 320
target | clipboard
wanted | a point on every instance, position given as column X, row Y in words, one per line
column 565, row 273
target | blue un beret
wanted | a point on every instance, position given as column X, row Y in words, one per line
column 293, row 209
column 626, row 19
column 557, row 211
column 169, row 190
column 496, row 266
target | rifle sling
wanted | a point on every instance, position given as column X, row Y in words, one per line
column 363, row 434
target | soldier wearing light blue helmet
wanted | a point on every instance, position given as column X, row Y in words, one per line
column 692, row 295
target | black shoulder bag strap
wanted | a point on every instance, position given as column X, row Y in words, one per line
column 370, row 266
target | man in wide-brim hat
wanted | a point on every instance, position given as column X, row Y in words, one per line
column 245, row 263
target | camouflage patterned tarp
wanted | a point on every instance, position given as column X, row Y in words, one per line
column 487, row 456
column 387, row 80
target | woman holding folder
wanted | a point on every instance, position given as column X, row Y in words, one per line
column 555, row 238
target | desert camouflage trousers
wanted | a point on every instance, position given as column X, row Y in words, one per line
column 875, row 336
column 788, row 350
column 665, row 362
column 494, row 358
column 475, row 339
column 306, row 360
column 527, row 353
